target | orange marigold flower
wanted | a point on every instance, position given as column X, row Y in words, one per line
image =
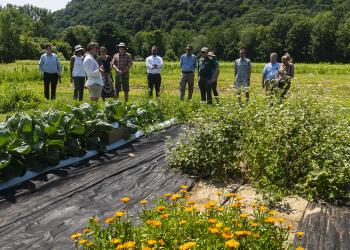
column 75, row 236
column 220, row 209
column 155, row 223
column 253, row 224
column 174, row 197
column 164, row 216
column 167, row 195
column 161, row 242
column 269, row 220
column 244, row 216
column 146, row 248
column 281, row 220
column 243, row 233
column 83, row 242
column 299, row 248
column 210, row 204
column 160, row 208
column 272, row 212
column 226, row 229
column 299, row 234
column 262, row 208
column 230, row 195
column 219, row 193
column 239, row 198
column 187, row 246
column 213, row 230
column 183, row 191
column 219, row 225
column 232, row 244
column 182, row 222
column 236, row 204
column 109, row 220
column 227, row 235
column 184, row 187
column 87, row 230
column 121, row 246
column 125, row 199
column 152, row 242
column 143, row 202
column 115, row 241
column 253, row 205
column 119, row 214
column 191, row 203
column 290, row 227
column 189, row 209
column 129, row 244
column 212, row 221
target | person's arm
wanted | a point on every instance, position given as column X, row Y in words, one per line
column 181, row 62
column 128, row 66
column 148, row 64
column 71, row 66
column 235, row 68
column 263, row 77
column 59, row 67
column 249, row 72
column 161, row 63
column 213, row 71
column 89, row 69
column 41, row 64
column 217, row 72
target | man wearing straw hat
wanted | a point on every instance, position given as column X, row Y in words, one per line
column 77, row 73
column 122, row 62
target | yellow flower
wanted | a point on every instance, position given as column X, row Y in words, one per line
column 213, row 230
column 236, row 204
column 151, row 242
column 89, row 244
column 239, row 198
column 189, row 209
column 262, row 208
column 155, row 223
column 253, row 224
column 125, row 199
column 182, row 222
column 161, row 242
column 232, row 244
column 227, row 235
column 120, row 247
column 220, row 209
column 253, row 205
column 226, row 229
column 230, row 195
column 219, row 225
column 146, row 248
column 244, row 216
column 281, row 220
column 243, row 233
column 219, row 193
column 212, row 221
column 210, row 204
column 129, row 244
column 187, row 245
column 115, row 241
column 75, row 236
column 164, row 216
column 183, row 191
column 290, row 227
column 167, row 195
column 160, row 208
column 109, row 220
column 82, row 242
column 272, row 212
column 191, row 203
column 300, row 234
column 299, row 248
column 269, row 220
column 184, row 187
column 143, row 202
column 119, row 214
column 174, row 197
column 87, row 230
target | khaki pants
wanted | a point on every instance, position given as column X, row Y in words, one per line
column 186, row 78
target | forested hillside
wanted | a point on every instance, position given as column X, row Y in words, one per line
column 311, row 30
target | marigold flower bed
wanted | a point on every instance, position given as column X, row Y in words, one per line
column 176, row 222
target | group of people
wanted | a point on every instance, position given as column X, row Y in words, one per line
column 93, row 70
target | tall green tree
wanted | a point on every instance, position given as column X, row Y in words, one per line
column 79, row 34
column 298, row 41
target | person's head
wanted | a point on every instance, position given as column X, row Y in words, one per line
column 103, row 51
column 189, row 49
column 121, row 48
column 48, row 48
column 204, row 52
column 154, row 50
column 78, row 50
column 212, row 55
column 242, row 53
column 93, row 48
column 286, row 59
column 273, row 57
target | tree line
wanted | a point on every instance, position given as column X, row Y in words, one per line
column 310, row 30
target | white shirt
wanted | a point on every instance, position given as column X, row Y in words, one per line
column 154, row 60
column 92, row 71
column 78, row 68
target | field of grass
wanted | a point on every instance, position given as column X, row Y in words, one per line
column 326, row 82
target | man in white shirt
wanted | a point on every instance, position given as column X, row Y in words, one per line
column 154, row 64
column 94, row 81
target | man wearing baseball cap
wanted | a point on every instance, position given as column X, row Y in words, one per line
column 122, row 62
column 206, row 75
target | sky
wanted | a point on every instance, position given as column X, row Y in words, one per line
column 52, row 5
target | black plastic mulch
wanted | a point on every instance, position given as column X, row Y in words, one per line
column 43, row 213
column 326, row 227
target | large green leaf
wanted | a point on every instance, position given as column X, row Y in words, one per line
column 22, row 150
column 50, row 130
column 77, row 130
column 26, row 124
column 54, row 118
column 4, row 137
column 57, row 143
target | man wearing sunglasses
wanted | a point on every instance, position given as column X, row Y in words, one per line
column 188, row 63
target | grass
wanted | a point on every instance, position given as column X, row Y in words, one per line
column 327, row 82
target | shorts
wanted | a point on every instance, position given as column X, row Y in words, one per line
column 95, row 90
column 237, row 86
column 122, row 83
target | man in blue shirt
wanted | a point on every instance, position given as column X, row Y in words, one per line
column 188, row 63
column 270, row 72
column 51, row 68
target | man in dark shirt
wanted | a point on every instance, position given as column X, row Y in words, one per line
column 206, row 74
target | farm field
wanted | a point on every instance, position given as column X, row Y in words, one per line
column 300, row 147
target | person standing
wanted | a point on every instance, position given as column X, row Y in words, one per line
column 77, row 73
column 270, row 73
column 106, row 61
column 122, row 62
column 93, row 71
column 50, row 67
column 286, row 74
column 242, row 68
column 206, row 75
column 154, row 64
column 214, row 84
column 188, row 63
